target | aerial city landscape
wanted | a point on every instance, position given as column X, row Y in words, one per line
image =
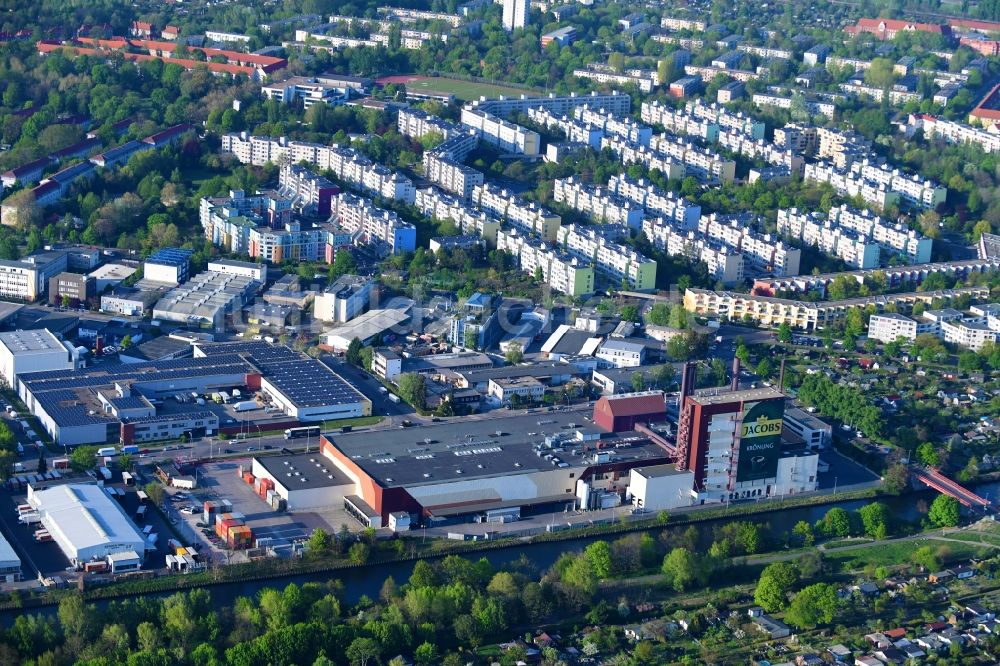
column 499, row 333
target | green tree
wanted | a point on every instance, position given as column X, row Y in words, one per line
column 319, row 542
column 784, row 332
column 659, row 314
column 598, row 555
column 773, row 586
column 836, row 523
column 630, row 313
column 362, row 652
column 353, row 355
column 413, row 389
column 804, row 532
column 681, row 569
column 638, row 381
column 514, row 353
column 926, row 557
column 83, row 458
column 154, row 491
column 944, row 511
column 343, row 264
column 812, row 606
column 875, row 519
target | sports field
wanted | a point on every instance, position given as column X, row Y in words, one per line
column 463, row 90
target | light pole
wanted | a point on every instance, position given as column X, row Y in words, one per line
column 211, row 451
column 259, row 436
column 835, row 485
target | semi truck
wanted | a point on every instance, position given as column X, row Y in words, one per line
column 106, row 451
column 246, row 406
column 394, row 398
column 130, row 449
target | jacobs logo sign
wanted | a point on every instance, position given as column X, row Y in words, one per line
column 762, row 427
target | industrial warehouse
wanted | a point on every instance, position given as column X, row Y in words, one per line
column 729, row 445
column 89, row 527
column 125, row 402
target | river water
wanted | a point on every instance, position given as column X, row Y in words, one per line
column 367, row 581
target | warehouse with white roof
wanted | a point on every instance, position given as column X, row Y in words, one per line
column 10, row 563
column 86, row 523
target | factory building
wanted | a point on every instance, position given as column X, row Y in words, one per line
column 305, row 480
column 120, row 402
column 33, row 351
column 736, row 445
column 88, row 525
column 481, row 472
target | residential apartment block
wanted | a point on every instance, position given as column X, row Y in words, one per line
column 498, row 132
column 878, row 184
column 528, row 216
column 632, row 153
column 347, row 164
column 806, row 315
column 311, row 90
column 601, row 246
column 704, row 164
column 816, row 230
column 723, row 263
column 656, row 202
column 375, row 226
column 953, row 132
column 560, row 270
column 597, row 203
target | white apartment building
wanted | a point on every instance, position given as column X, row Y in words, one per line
column 762, row 253
column 437, row 204
column 816, row 230
column 621, row 354
column 452, row 176
column 814, row 107
column 702, row 163
column 968, row 333
column 346, row 163
column 515, row 14
column 600, row 205
column 633, row 153
column 369, row 224
column 761, row 149
column 891, row 326
column 413, row 122
column 846, row 183
column 525, row 215
column 601, row 246
column 673, row 23
column 737, row 122
column 615, row 103
column 227, row 37
column 311, row 90
column 643, row 83
column 560, row 270
column 575, row 130
column 498, row 132
column 656, row 202
column 954, row 132
column 624, row 128
column 679, row 121
column 723, row 263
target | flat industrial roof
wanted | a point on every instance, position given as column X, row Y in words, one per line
column 370, row 324
column 303, row 471
column 22, row 343
column 714, row 397
column 437, row 453
column 84, row 516
column 659, row 471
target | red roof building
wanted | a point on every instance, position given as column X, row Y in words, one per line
column 888, row 28
column 987, row 111
column 620, row 413
column 987, row 47
column 984, row 27
column 171, row 32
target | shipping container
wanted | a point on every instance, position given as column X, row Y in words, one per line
column 24, row 508
column 42, row 536
column 128, row 479
column 95, row 567
column 140, row 513
column 61, row 463
column 141, row 496
column 270, row 496
column 173, row 544
column 105, row 472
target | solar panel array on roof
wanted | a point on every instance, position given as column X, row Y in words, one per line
column 310, row 384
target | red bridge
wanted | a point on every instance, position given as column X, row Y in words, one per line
column 932, row 478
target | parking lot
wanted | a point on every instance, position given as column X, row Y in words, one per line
column 221, row 480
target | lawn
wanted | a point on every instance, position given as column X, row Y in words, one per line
column 901, row 552
column 464, row 90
